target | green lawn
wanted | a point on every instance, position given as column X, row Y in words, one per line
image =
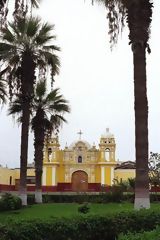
column 68, row 210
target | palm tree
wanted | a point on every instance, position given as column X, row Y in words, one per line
column 48, row 110
column 24, row 49
column 47, row 115
column 138, row 14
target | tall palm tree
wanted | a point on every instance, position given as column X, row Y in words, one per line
column 47, row 110
column 25, row 48
column 138, row 14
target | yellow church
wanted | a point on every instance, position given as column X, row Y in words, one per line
column 80, row 167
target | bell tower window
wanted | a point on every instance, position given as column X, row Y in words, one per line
column 49, row 154
column 79, row 159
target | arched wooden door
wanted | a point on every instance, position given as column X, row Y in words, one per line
column 79, row 181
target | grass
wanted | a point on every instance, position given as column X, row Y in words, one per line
column 69, row 210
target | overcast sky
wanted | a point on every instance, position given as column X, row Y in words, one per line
column 97, row 82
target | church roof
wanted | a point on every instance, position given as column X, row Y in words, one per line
column 126, row 165
column 79, row 142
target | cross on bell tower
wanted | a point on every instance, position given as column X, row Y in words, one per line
column 80, row 133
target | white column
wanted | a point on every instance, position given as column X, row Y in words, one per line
column 102, row 175
column 53, row 175
column 112, row 175
column 44, row 176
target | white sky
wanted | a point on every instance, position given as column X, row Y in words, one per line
column 97, row 82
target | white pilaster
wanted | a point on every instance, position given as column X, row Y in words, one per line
column 102, row 175
column 44, row 176
column 112, row 175
column 53, row 176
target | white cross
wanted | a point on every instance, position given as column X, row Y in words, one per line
column 80, row 133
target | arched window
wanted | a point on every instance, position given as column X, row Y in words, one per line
column 79, row 159
column 49, row 154
column 107, row 154
column 10, row 180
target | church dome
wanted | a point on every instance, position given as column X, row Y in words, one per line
column 107, row 134
column 78, row 143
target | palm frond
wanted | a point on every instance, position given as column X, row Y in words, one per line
column 35, row 3
column 59, row 108
column 40, row 89
column 7, row 35
column 33, row 25
column 44, row 35
column 3, row 92
column 15, row 107
column 51, row 47
column 52, row 95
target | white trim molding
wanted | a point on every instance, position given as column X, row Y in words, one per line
column 53, row 175
column 112, row 175
column 44, row 176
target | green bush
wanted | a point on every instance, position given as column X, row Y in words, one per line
column 84, row 227
column 112, row 196
column 84, row 208
column 10, row 202
column 152, row 235
column 30, row 199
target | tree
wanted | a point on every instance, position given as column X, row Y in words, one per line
column 25, row 48
column 154, row 170
column 138, row 14
column 47, row 110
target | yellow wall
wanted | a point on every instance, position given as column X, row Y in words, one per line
column 108, row 176
column 49, row 176
column 124, row 174
column 5, row 174
column 98, row 174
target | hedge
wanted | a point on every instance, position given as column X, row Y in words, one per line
column 80, row 198
column 81, row 228
column 93, row 198
column 151, row 235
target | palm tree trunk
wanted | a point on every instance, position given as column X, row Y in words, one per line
column 28, row 69
column 141, row 128
column 24, row 153
column 139, row 16
column 39, row 146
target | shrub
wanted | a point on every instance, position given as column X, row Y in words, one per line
column 10, row 202
column 152, row 235
column 30, row 199
column 88, row 227
column 84, row 208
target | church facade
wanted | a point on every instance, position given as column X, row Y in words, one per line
column 79, row 167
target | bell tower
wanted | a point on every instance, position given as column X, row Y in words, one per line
column 107, row 147
column 51, row 147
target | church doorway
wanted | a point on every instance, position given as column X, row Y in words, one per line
column 79, row 181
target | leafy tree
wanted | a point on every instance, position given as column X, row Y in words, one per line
column 47, row 110
column 138, row 15
column 154, row 169
column 25, row 48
